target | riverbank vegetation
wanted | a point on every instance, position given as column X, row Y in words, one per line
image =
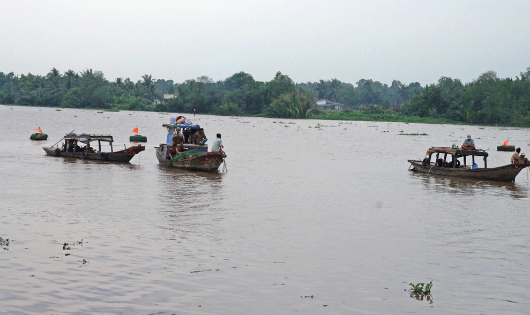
column 486, row 100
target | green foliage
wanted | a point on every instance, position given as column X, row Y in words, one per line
column 229, row 109
column 281, row 84
column 486, row 100
column 294, row 104
column 421, row 288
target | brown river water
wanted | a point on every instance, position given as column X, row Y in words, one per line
column 310, row 217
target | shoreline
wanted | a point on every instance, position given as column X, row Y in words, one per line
column 353, row 115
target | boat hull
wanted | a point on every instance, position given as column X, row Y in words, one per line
column 117, row 156
column 207, row 162
column 506, row 173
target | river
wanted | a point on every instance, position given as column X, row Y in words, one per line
column 309, row 217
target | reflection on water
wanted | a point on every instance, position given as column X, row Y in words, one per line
column 190, row 199
column 120, row 165
column 420, row 297
column 455, row 185
column 177, row 173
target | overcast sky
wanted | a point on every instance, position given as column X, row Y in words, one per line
column 410, row 41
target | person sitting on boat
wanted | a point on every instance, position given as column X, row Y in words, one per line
column 469, row 144
column 518, row 158
column 217, row 145
column 199, row 137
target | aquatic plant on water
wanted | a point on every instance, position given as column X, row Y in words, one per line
column 4, row 242
column 421, row 290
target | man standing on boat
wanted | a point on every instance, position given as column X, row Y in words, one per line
column 469, row 144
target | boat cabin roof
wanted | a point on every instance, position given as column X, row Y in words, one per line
column 88, row 137
column 457, row 151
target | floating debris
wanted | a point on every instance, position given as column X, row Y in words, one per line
column 412, row 134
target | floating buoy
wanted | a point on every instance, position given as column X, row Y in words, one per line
column 39, row 136
column 138, row 138
column 509, row 148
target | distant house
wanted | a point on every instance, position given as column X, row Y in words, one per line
column 327, row 104
column 165, row 99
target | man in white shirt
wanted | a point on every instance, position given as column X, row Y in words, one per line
column 217, row 145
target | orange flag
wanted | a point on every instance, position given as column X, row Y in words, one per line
column 135, row 130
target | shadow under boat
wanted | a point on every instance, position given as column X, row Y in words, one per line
column 180, row 174
column 470, row 186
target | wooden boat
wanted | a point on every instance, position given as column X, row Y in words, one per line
column 38, row 136
column 207, row 161
column 70, row 148
column 442, row 166
column 194, row 156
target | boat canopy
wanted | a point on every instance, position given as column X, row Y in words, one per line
column 85, row 138
column 457, row 151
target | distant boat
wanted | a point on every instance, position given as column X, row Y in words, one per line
column 137, row 137
column 442, row 166
column 39, row 135
column 509, row 148
column 70, row 148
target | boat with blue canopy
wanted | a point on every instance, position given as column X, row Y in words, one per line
column 188, row 154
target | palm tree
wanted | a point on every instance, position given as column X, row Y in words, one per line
column 148, row 84
column 404, row 93
column 70, row 76
column 467, row 112
column 53, row 77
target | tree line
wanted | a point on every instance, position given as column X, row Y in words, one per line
column 486, row 100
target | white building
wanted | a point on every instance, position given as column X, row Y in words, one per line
column 165, row 99
column 327, row 104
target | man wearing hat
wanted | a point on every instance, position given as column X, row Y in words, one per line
column 469, row 144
